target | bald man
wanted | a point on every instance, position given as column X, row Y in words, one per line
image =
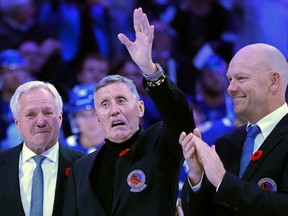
column 258, row 77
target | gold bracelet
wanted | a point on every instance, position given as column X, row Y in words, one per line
column 158, row 82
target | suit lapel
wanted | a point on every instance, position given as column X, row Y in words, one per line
column 92, row 200
column 64, row 163
column 10, row 183
column 275, row 138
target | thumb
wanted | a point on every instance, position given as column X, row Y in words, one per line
column 197, row 133
column 124, row 40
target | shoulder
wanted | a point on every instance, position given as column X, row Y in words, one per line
column 85, row 163
column 70, row 153
column 10, row 154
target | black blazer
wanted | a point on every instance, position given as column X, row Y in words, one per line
column 156, row 153
column 244, row 196
column 10, row 198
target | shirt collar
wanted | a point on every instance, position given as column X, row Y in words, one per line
column 268, row 123
column 51, row 154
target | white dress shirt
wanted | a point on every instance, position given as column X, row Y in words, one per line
column 50, row 170
column 268, row 123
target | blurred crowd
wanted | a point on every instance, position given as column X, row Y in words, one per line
column 73, row 44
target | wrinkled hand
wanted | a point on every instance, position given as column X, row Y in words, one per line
column 141, row 49
column 190, row 155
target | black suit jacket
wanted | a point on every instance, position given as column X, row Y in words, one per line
column 156, row 152
column 10, row 198
column 243, row 196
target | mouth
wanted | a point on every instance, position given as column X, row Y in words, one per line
column 236, row 98
column 41, row 132
column 117, row 123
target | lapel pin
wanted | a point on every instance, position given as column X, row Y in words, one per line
column 136, row 180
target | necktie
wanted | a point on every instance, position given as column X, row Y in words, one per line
column 36, row 207
column 248, row 148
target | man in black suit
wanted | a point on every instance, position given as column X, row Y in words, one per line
column 37, row 110
column 258, row 76
column 136, row 172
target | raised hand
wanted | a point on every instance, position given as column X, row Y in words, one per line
column 141, row 49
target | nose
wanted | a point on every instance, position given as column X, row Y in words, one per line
column 41, row 120
column 232, row 87
column 114, row 109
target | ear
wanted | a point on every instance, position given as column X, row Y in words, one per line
column 16, row 122
column 141, row 109
column 275, row 81
column 98, row 119
column 61, row 117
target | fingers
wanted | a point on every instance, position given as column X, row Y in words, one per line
column 141, row 22
column 181, row 137
column 197, row 133
column 214, row 148
column 185, row 140
column 187, row 143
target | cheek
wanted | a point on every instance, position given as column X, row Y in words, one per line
column 101, row 120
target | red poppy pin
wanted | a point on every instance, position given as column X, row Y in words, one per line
column 67, row 171
column 122, row 153
column 257, row 155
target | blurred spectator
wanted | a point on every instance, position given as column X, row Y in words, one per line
column 32, row 55
column 87, row 136
column 198, row 22
column 13, row 72
column 63, row 20
column 211, row 96
column 121, row 20
column 162, row 10
column 212, row 130
column 17, row 23
column 262, row 21
column 93, row 68
column 43, row 60
column 81, row 26
column 163, row 49
column 164, row 52
column 13, row 137
column 95, row 18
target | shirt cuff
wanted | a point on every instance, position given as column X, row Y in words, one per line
column 217, row 188
column 198, row 186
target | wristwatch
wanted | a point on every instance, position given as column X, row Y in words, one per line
column 157, row 75
column 157, row 78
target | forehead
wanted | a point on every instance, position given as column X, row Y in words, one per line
column 113, row 90
column 36, row 98
column 246, row 66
